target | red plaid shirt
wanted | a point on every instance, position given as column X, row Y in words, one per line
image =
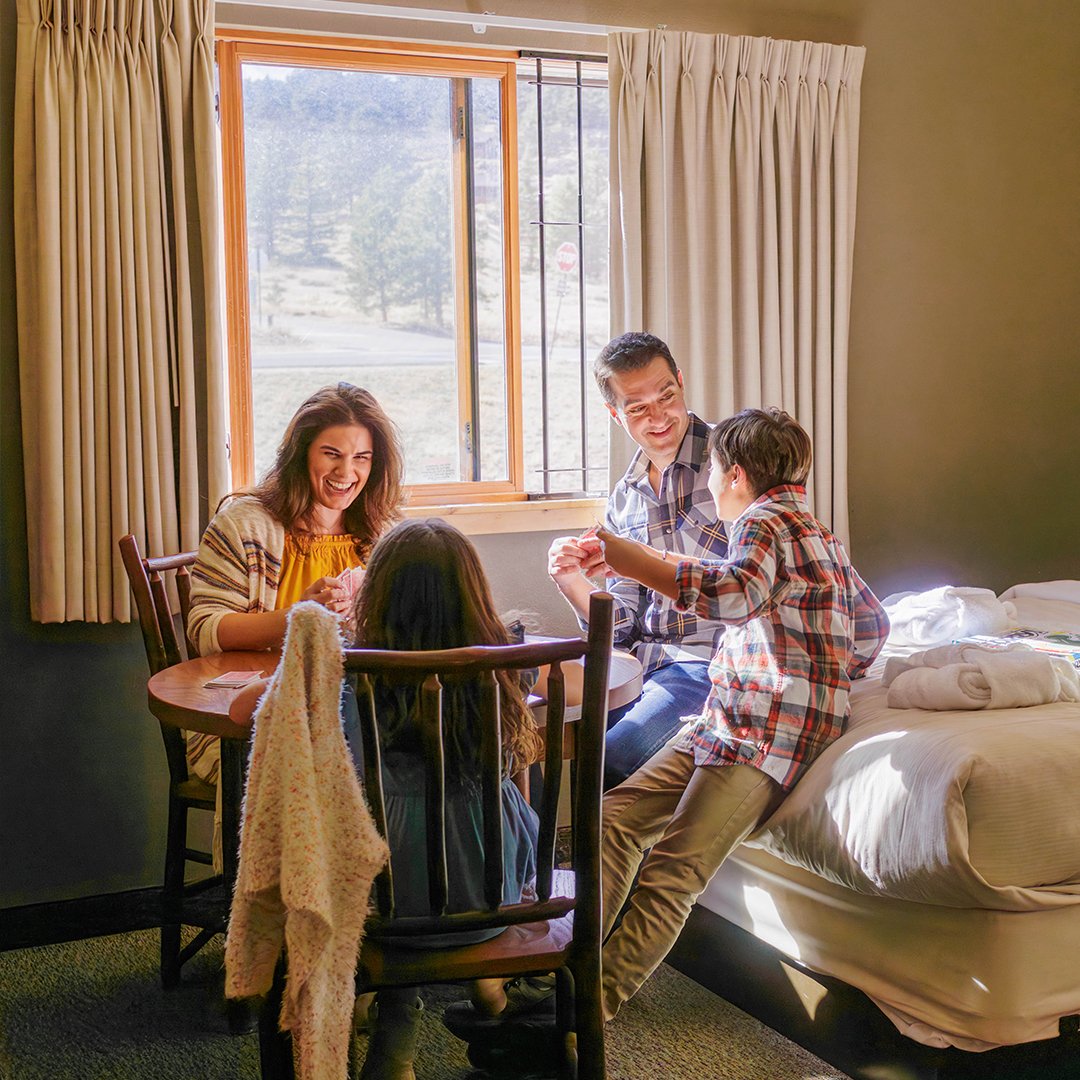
column 801, row 624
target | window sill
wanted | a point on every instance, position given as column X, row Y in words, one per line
column 539, row 515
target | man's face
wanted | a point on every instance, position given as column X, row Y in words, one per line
column 650, row 405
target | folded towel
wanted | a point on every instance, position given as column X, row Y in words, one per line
column 955, row 686
column 1019, row 678
column 939, row 615
column 940, row 656
column 970, row 677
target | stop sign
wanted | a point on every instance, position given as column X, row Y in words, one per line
column 566, row 257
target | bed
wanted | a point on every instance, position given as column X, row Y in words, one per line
column 932, row 860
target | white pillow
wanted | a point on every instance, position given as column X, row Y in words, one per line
column 1045, row 590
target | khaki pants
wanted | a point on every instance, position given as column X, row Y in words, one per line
column 692, row 818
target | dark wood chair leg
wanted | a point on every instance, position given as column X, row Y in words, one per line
column 172, row 892
column 241, row 1016
column 170, row 955
column 589, row 1023
column 275, row 1047
column 564, row 1021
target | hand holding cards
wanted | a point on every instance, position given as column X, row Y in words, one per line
column 593, row 563
column 349, row 580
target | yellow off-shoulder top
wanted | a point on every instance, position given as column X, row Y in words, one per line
column 303, row 562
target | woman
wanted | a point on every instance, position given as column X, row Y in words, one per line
column 336, row 485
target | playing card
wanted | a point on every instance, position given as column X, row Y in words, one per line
column 232, row 680
column 350, row 581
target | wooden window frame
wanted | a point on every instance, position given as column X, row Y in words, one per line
column 235, row 47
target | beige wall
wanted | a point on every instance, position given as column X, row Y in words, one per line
column 965, row 378
column 965, row 366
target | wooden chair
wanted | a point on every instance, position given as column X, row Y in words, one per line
column 541, row 935
column 182, row 903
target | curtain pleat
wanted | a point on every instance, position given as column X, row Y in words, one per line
column 733, row 176
column 119, row 355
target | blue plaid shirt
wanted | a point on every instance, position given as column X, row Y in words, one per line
column 682, row 520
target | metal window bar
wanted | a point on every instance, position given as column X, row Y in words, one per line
column 467, row 133
column 579, row 84
column 581, row 281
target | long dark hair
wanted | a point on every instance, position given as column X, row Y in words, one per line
column 286, row 492
column 425, row 588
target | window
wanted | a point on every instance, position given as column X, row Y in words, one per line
column 431, row 227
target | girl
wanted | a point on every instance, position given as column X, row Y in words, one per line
column 426, row 589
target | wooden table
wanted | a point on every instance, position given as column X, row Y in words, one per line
column 624, row 682
column 179, row 697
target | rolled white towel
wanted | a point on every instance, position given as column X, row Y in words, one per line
column 972, row 677
column 1021, row 678
column 955, row 686
column 939, row 656
column 948, row 612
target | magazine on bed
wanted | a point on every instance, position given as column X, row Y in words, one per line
column 1057, row 642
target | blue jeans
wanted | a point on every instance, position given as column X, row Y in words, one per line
column 636, row 731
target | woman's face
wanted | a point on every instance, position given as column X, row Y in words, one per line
column 339, row 464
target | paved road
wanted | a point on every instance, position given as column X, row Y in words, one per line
column 312, row 345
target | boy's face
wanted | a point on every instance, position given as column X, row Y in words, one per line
column 730, row 489
column 650, row 405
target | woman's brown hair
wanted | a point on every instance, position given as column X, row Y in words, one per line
column 425, row 588
column 286, row 492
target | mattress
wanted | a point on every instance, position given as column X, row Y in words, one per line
column 968, row 977
column 932, row 859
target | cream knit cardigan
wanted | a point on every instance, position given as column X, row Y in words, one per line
column 237, row 569
column 309, row 851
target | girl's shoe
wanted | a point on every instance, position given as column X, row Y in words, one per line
column 392, row 1047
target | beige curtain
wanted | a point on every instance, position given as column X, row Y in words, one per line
column 734, row 167
column 118, row 291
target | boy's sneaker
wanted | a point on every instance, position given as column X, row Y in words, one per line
column 530, row 996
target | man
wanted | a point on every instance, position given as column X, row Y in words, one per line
column 662, row 501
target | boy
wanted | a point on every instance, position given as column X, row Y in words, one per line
column 801, row 624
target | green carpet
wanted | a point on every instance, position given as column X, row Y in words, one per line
column 95, row 1009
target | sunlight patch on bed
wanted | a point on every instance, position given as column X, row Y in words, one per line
column 811, row 992
column 766, row 922
column 884, row 736
column 874, row 772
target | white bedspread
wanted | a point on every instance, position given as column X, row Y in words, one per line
column 962, row 809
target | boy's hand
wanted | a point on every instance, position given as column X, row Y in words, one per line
column 618, row 554
column 242, row 707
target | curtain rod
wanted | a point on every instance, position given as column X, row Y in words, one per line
column 479, row 22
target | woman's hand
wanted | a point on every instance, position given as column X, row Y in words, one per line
column 329, row 592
